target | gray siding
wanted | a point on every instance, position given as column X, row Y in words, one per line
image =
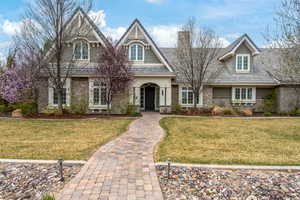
column 263, row 92
column 150, row 57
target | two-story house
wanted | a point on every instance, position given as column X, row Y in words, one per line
column 157, row 83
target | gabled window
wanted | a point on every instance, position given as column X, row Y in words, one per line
column 136, row 52
column 243, row 63
column 243, row 95
column 81, row 50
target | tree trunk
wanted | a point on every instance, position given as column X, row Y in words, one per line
column 60, row 105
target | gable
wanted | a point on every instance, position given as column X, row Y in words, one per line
column 243, row 41
column 136, row 33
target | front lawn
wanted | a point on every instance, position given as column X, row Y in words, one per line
column 231, row 141
column 53, row 139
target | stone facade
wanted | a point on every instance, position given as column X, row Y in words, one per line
column 287, row 98
column 79, row 94
column 42, row 94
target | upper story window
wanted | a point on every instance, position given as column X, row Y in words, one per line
column 81, row 50
column 136, row 52
column 243, row 63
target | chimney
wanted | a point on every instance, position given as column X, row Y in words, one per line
column 183, row 38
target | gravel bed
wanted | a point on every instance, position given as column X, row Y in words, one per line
column 208, row 184
column 31, row 181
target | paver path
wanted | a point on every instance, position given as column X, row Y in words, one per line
column 123, row 168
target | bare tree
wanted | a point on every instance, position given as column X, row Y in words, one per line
column 284, row 42
column 197, row 52
column 113, row 71
column 49, row 29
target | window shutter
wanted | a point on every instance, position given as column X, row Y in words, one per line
column 68, row 91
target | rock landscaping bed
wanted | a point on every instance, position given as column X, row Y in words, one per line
column 31, row 181
column 208, row 184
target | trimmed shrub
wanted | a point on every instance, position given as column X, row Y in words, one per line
column 177, row 109
column 268, row 114
column 294, row 112
column 228, row 111
column 48, row 197
column 28, row 108
column 131, row 110
column 269, row 102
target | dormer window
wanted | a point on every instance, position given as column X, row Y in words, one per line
column 243, row 63
column 81, row 50
column 136, row 52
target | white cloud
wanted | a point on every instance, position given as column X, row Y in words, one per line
column 98, row 17
column 164, row 35
column 233, row 36
column 224, row 42
column 11, row 28
column 114, row 33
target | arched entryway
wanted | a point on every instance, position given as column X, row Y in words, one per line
column 149, row 97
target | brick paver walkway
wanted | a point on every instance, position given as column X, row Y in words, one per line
column 123, row 168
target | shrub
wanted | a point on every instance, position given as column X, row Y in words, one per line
column 269, row 102
column 294, row 112
column 28, row 108
column 131, row 110
column 3, row 108
column 268, row 114
column 177, row 109
column 228, row 111
column 50, row 111
column 48, row 197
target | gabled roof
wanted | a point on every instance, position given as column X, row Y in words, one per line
column 231, row 49
column 137, row 23
column 99, row 35
column 95, row 28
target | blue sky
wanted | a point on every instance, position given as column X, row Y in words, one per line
column 229, row 18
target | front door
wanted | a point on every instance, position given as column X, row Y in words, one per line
column 150, row 98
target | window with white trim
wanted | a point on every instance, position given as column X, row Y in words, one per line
column 187, row 96
column 98, row 92
column 53, row 94
column 244, row 95
column 243, row 63
column 81, row 50
column 136, row 52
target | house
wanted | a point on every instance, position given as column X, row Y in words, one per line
column 157, row 85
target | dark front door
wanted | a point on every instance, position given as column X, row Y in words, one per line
column 150, row 98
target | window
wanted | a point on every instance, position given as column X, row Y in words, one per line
column 81, row 51
column 244, row 95
column 243, row 63
column 64, row 96
column 136, row 52
column 53, row 94
column 98, row 92
column 187, row 96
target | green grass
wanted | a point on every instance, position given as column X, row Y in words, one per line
column 231, row 141
column 54, row 139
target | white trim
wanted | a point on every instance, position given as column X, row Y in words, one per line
column 91, row 95
column 243, row 57
column 137, row 52
column 51, row 93
column 253, row 100
column 200, row 104
column 81, row 49
column 156, row 51
column 232, row 52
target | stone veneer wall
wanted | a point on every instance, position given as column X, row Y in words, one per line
column 80, row 93
column 287, row 98
column 43, row 94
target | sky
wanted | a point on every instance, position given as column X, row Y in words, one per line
column 162, row 18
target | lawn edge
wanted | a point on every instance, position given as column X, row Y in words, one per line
column 245, row 167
